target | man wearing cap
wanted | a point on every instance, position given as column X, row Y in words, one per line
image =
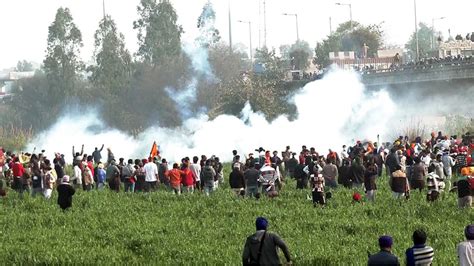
column 261, row 248
column 385, row 256
column 65, row 193
column 466, row 249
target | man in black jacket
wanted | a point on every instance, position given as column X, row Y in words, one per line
column 385, row 256
column 261, row 248
column 65, row 193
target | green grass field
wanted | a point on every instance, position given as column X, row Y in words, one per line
column 162, row 228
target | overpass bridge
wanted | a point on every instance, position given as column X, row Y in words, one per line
column 458, row 72
column 6, row 81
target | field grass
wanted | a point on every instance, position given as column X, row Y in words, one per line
column 162, row 228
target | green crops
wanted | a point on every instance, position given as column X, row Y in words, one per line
column 162, row 228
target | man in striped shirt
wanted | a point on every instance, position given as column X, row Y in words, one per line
column 419, row 254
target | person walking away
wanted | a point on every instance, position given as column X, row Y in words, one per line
column 420, row 253
column 251, row 177
column 49, row 180
column 37, row 180
column 195, row 168
column 419, row 173
column 290, row 165
column 140, row 177
column 96, row 154
column 208, row 177
column 128, row 173
column 58, row 168
column 113, row 176
column 330, row 173
column 384, row 256
column 151, row 176
column 317, row 189
column 261, row 248
column 101, row 176
column 219, row 168
column 174, row 176
column 77, row 178
column 162, row 172
column 433, row 187
column 301, row 177
column 465, row 190
column 357, row 172
column 465, row 249
column 448, row 164
column 65, row 193
column 188, row 178
column 370, row 175
column 88, row 179
column 268, row 178
column 236, row 180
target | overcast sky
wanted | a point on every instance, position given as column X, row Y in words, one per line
column 24, row 23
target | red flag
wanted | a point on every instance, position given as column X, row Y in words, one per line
column 154, row 150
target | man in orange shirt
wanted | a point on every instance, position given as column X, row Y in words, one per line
column 174, row 177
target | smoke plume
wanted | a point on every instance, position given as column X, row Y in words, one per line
column 331, row 112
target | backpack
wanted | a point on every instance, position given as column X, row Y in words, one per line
column 470, row 180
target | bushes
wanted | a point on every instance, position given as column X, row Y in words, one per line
column 14, row 139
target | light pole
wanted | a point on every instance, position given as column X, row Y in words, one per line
column 297, row 28
column 432, row 30
column 416, row 34
column 250, row 37
column 350, row 11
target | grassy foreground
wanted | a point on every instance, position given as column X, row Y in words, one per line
column 162, row 228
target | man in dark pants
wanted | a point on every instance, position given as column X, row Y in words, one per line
column 65, row 193
column 261, row 247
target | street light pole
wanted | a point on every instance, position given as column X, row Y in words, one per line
column 297, row 27
column 416, row 34
column 432, row 30
column 350, row 12
column 250, row 38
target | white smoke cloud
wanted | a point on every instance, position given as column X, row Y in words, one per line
column 331, row 112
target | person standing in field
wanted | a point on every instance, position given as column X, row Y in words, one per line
column 236, row 180
column 317, row 185
column 174, row 176
column 330, row 172
column 261, row 247
column 101, row 176
column 96, row 154
column 49, row 179
column 151, row 175
column 207, row 178
column 370, row 175
column 113, row 176
column 384, row 256
column 195, row 168
column 420, row 253
column 465, row 249
column 65, row 193
column 464, row 189
column 251, row 177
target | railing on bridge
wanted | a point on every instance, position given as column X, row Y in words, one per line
column 414, row 73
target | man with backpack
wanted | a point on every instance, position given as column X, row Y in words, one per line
column 128, row 173
column 261, row 248
column 208, row 174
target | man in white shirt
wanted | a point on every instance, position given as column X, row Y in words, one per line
column 195, row 168
column 151, row 176
column 466, row 249
column 344, row 154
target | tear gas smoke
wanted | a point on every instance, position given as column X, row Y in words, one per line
column 331, row 112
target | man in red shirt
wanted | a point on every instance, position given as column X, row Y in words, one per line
column 18, row 172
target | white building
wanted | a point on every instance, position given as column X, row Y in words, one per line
column 455, row 48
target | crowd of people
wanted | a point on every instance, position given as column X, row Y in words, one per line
column 411, row 165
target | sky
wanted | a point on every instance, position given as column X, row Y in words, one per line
column 24, row 23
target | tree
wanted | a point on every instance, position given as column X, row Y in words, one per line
column 425, row 35
column 113, row 61
column 300, row 54
column 209, row 35
column 159, row 35
column 62, row 60
column 345, row 39
column 24, row 66
column 273, row 65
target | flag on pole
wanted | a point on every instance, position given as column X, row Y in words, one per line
column 154, row 150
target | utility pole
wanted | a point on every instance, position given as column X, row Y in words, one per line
column 297, row 28
column 264, row 23
column 250, row 38
column 259, row 23
column 230, row 29
column 416, row 35
column 103, row 7
column 330, row 25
